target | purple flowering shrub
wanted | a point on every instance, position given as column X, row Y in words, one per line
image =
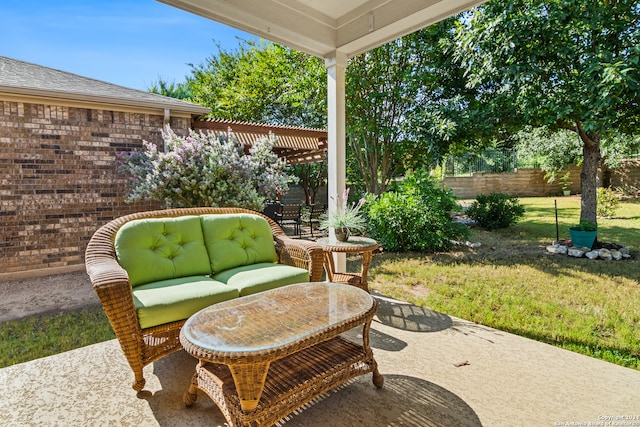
column 203, row 169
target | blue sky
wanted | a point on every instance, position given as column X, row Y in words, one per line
column 130, row 43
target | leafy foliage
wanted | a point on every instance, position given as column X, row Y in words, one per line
column 311, row 177
column 608, row 202
column 406, row 104
column 205, row 170
column 394, row 95
column 551, row 151
column 172, row 90
column 262, row 82
column 560, row 64
column 416, row 217
column 586, row 225
column 496, row 210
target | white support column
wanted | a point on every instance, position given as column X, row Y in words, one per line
column 336, row 133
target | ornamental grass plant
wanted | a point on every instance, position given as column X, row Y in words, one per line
column 347, row 215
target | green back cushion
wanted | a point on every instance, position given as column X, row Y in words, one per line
column 234, row 240
column 155, row 249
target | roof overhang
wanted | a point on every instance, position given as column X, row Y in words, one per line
column 95, row 101
column 323, row 27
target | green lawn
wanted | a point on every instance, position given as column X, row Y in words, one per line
column 511, row 283
column 40, row 336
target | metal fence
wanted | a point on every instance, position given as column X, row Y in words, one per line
column 491, row 161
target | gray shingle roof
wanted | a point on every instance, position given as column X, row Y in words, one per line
column 22, row 77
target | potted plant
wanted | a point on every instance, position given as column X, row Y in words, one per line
column 565, row 183
column 584, row 234
column 346, row 219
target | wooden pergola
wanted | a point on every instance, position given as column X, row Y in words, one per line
column 297, row 145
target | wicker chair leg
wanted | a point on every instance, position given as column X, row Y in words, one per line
column 378, row 380
column 189, row 399
column 139, row 382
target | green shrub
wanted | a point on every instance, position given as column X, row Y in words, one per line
column 416, row 217
column 586, row 225
column 607, row 202
column 496, row 210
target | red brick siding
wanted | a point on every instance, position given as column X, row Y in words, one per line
column 58, row 178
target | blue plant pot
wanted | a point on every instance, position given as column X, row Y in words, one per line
column 581, row 238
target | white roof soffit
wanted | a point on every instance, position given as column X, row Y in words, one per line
column 322, row 27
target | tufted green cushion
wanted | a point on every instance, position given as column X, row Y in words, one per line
column 250, row 279
column 155, row 249
column 167, row 301
column 234, row 240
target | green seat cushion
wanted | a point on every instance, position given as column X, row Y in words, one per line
column 155, row 249
column 250, row 279
column 167, row 301
column 234, row 240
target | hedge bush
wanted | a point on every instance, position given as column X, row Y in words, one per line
column 496, row 210
column 416, row 217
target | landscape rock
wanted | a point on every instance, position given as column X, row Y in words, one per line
column 606, row 251
column 605, row 254
column 467, row 243
column 591, row 254
column 575, row 252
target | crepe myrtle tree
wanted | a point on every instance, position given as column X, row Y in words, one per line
column 203, row 169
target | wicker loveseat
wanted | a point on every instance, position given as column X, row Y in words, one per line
column 152, row 270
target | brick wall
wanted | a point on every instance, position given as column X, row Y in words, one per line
column 58, row 178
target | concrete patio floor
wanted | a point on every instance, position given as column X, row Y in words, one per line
column 439, row 371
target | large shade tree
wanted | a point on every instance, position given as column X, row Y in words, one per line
column 561, row 64
column 383, row 86
column 407, row 105
column 389, row 91
column 263, row 82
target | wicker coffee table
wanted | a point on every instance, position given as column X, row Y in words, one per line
column 263, row 356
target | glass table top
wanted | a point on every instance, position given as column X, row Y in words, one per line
column 275, row 318
column 354, row 242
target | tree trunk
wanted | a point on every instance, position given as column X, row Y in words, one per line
column 305, row 181
column 589, row 174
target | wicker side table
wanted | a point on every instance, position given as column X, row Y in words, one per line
column 355, row 245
